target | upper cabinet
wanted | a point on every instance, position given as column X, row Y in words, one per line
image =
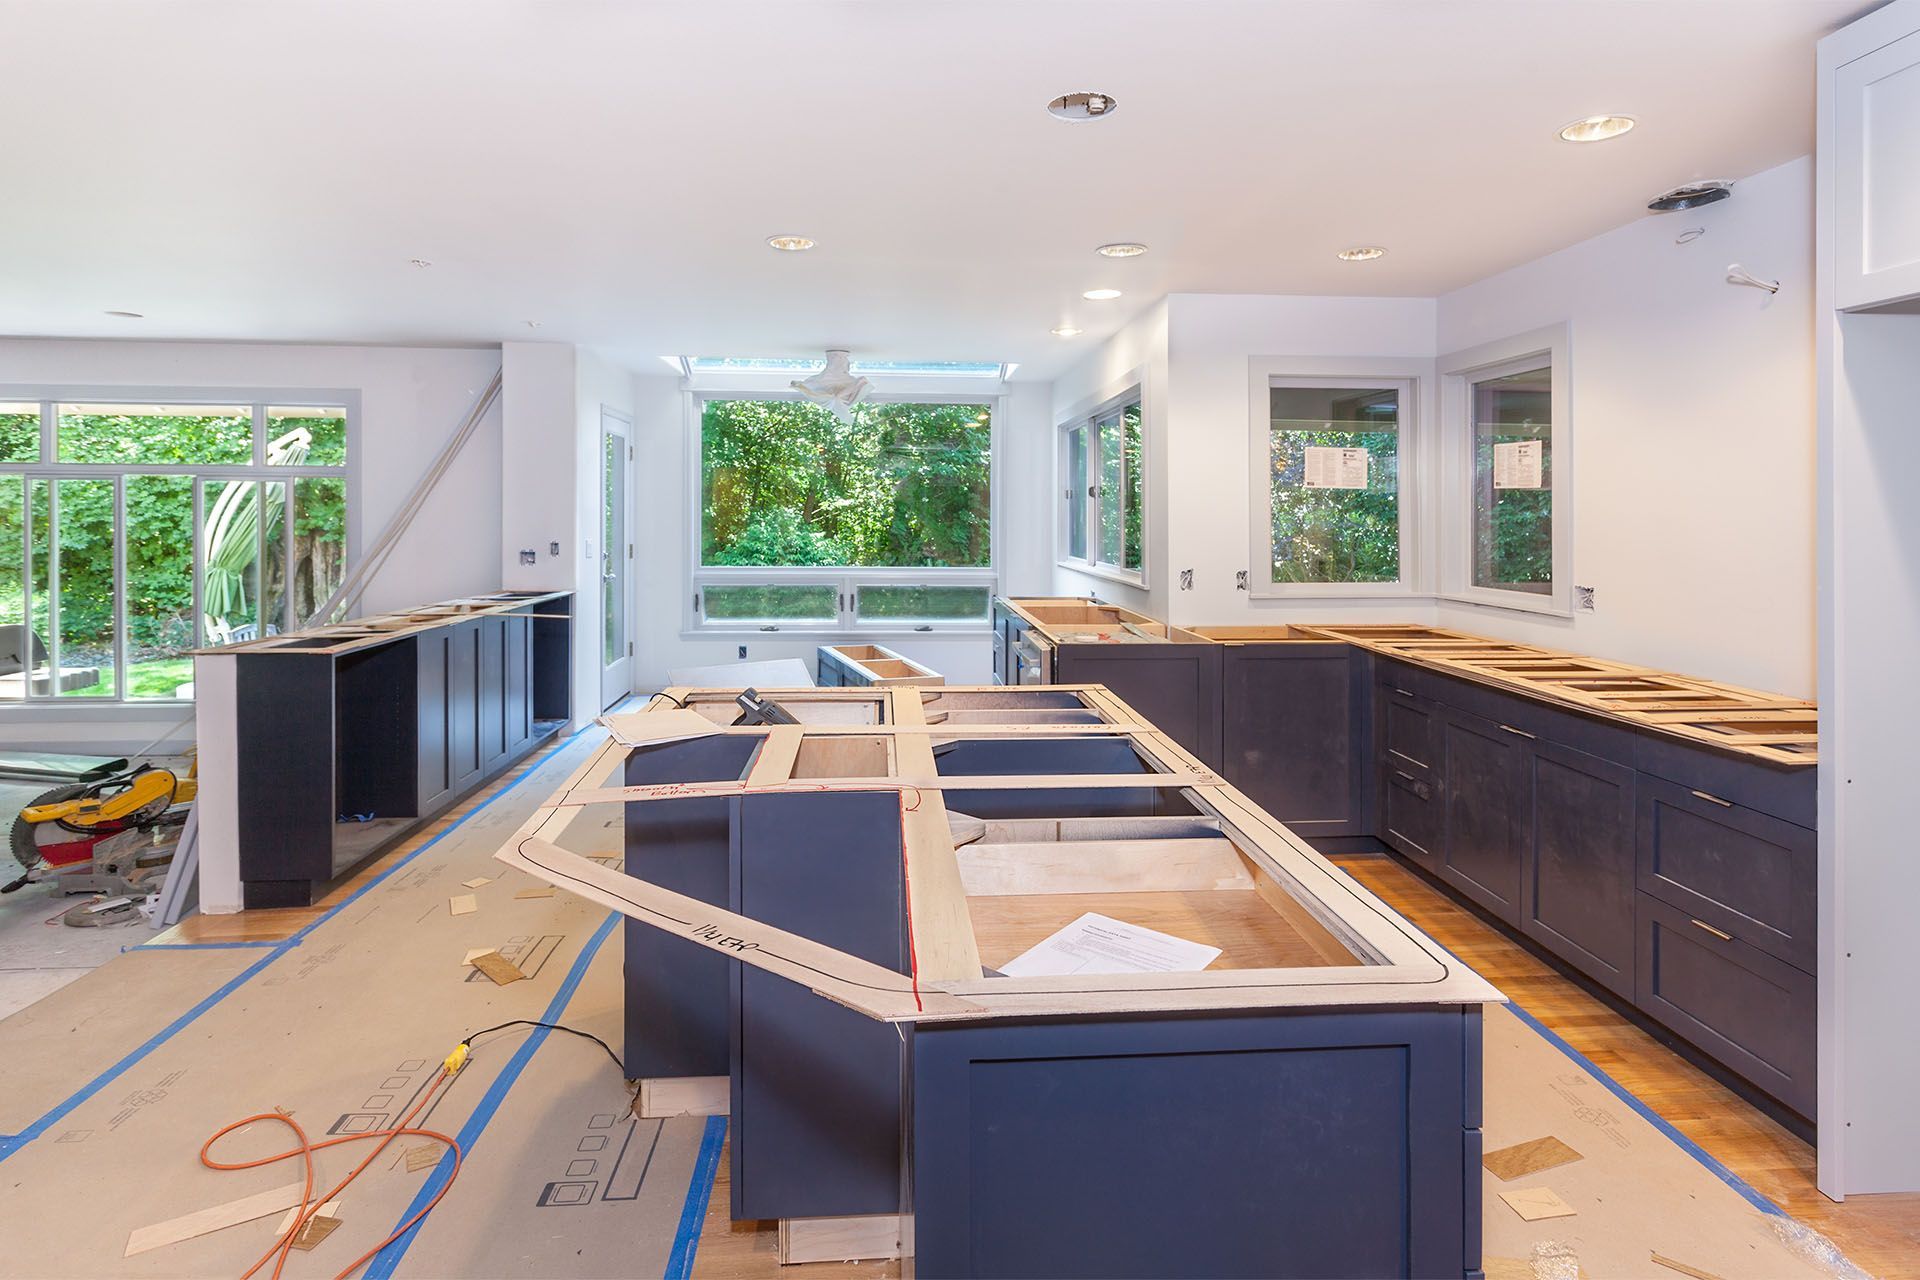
column 1871, row 74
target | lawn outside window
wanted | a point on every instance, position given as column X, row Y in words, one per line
column 805, row 522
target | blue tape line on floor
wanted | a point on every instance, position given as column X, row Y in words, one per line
column 1652, row 1117
column 112, row 1073
column 387, row 1259
column 686, row 1240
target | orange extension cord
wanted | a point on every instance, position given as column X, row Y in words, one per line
column 310, row 1203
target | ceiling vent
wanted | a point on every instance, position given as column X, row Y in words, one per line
column 1691, row 196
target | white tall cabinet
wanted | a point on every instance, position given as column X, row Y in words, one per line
column 1867, row 334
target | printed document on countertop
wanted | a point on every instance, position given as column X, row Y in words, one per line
column 1100, row 944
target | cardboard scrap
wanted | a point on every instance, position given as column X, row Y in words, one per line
column 544, row 891
column 1682, row 1267
column 1523, row 1158
column 1535, row 1203
column 646, row 728
column 463, row 905
column 497, row 967
column 424, row 1157
column 476, row 882
column 316, row 1229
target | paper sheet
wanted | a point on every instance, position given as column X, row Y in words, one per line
column 1516, row 465
column 1329, row 467
column 1100, row 944
column 673, row 724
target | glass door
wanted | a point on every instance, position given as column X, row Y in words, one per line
column 616, row 560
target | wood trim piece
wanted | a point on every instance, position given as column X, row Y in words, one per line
column 663, row 1097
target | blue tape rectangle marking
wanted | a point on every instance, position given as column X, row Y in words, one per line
column 686, row 1240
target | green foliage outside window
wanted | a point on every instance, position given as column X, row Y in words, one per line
column 786, row 483
column 1334, row 535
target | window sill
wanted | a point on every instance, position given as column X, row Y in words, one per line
column 980, row 631
column 1136, row 579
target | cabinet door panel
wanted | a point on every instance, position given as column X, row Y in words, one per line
column 436, row 764
column 492, row 691
column 463, row 705
column 1292, row 736
column 1577, row 849
column 1482, row 791
column 1877, row 176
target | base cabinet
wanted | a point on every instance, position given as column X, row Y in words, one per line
column 1482, row 775
column 1577, row 850
column 1293, row 727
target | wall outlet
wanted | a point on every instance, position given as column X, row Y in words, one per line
column 1583, row 599
column 1240, row 580
column 1186, row 579
column 528, row 557
column 743, row 652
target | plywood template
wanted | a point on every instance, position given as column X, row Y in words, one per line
column 1302, row 933
column 1535, row 1203
column 1749, row 722
column 1523, row 1158
column 663, row 1096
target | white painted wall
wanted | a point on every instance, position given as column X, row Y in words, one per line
column 411, row 400
column 1692, row 444
column 598, row 384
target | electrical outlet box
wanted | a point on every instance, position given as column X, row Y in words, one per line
column 743, row 653
column 1583, row 599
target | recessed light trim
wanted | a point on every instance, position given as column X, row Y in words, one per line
column 1122, row 249
column 127, row 315
column 1361, row 253
column 1101, row 295
column 1596, row 128
column 1084, row 106
column 1065, row 331
column 790, row 244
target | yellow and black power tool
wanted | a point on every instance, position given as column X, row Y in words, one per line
column 62, row 837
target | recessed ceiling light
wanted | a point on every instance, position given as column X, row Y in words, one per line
column 1122, row 250
column 127, row 315
column 1065, row 331
column 1101, row 295
column 1596, row 128
column 1082, row 106
column 1361, row 253
column 1691, row 196
column 790, row 244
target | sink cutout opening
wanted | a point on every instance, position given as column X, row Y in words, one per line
column 844, row 756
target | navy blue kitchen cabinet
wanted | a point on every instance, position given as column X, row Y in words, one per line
column 1294, row 727
column 1577, row 854
column 1482, row 780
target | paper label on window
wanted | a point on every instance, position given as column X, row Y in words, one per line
column 1329, row 467
column 1517, row 465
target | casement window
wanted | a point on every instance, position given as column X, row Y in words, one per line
column 133, row 532
column 1104, row 497
column 806, row 522
column 1507, row 535
column 1329, row 510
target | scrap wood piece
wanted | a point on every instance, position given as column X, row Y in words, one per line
column 330, row 1209
column 497, row 967
column 462, row 905
column 314, row 1230
column 476, row 882
column 1523, row 1158
column 214, row 1218
column 543, row 891
column 424, row 1156
column 1685, row 1270
column 1535, row 1203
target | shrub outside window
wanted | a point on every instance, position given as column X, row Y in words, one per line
column 1104, row 497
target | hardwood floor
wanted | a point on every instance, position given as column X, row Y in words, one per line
column 276, row 924
column 1879, row 1233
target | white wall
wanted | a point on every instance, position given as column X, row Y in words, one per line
column 597, row 384
column 1137, row 352
column 411, row 400
column 1693, row 443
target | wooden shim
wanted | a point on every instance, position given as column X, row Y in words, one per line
column 538, row 891
column 477, row 882
column 662, row 1097
column 314, row 1230
column 217, row 1217
column 497, row 967
column 330, row 1208
column 1536, row 1203
column 852, row 1239
column 424, row 1156
column 1524, row 1158
column 462, row 904
column 1685, row 1270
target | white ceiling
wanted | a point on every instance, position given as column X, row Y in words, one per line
column 611, row 169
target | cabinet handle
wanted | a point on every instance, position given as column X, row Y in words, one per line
column 1721, row 934
column 1724, row 804
column 1404, row 776
column 1402, row 692
column 1522, row 733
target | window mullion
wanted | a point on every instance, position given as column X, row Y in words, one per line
column 122, row 686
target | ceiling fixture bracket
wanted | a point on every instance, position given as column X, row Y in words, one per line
column 1691, row 196
column 1082, row 106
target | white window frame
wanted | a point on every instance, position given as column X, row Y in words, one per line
column 51, row 396
column 1550, row 346
column 1082, row 419
column 847, row 582
column 1413, row 379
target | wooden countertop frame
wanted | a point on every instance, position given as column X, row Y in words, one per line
column 1398, row 965
column 1748, row 722
column 383, row 628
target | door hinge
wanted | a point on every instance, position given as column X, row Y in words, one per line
column 696, row 602
column 629, row 648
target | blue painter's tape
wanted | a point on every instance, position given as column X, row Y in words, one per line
column 277, row 949
column 686, row 1240
column 1678, row 1138
column 387, row 1259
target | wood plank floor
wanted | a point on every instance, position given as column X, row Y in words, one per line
column 1880, row 1233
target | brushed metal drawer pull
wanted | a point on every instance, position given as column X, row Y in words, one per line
column 1402, row 692
column 1404, row 776
column 1721, row 934
column 1724, row 804
column 1519, row 732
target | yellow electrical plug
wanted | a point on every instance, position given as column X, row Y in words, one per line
column 456, row 1059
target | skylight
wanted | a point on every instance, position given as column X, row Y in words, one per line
column 871, row 368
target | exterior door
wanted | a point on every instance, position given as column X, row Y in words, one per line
column 616, row 559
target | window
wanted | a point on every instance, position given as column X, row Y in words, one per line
column 1506, row 425
column 133, row 533
column 1104, row 500
column 881, row 521
column 1327, row 477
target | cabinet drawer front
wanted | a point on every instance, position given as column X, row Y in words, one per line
column 1408, row 733
column 1749, row 1010
column 1411, row 818
column 1743, row 872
